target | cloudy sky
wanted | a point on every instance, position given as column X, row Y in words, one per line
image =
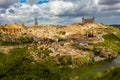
column 59, row 11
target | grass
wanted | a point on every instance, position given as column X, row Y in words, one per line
column 31, row 70
column 118, row 34
column 18, row 65
column 111, row 37
column 111, row 41
column 112, row 74
column 9, row 61
column 16, row 42
column 6, row 43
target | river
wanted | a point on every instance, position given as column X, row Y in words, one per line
column 90, row 72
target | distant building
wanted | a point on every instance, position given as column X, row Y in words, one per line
column 90, row 20
column 11, row 29
column 36, row 22
column 22, row 24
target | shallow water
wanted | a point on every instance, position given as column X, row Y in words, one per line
column 90, row 72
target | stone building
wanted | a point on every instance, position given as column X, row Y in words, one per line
column 36, row 22
column 90, row 20
column 12, row 29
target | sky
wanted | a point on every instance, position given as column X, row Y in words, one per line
column 59, row 11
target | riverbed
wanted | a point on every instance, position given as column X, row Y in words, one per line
column 90, row 72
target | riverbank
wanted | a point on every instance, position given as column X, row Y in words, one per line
column 111, row 74
column 48, row 69
column 94, row 71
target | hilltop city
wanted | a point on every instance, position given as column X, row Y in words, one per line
column 76, row 40
column 59, row 40
column 47, row 52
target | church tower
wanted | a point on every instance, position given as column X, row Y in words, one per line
column 22, row 23
column 36, row 22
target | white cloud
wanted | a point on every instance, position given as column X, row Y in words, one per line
column 57, row 11
column 61, row 7
column 7, row 3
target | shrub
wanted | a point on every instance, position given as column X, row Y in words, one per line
column 62, row 39
column 8, row 62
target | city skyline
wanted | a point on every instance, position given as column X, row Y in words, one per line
column 59, row 11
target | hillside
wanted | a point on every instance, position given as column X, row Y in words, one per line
column 112, row 41
column 112, row 74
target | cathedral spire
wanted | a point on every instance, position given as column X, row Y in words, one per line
column 36, row 22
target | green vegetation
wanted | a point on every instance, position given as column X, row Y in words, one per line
column 65, row 60
column 111, row 37
column 44, row 51
column 112, row 74
column 96, row 51
column 118, row 34
column 17, row 42
column 62, row 32
column 18, row 65
column 31, row 70
column 112, row 29
column 62, row 39
column 41, row 52
column 10, row 61
column 111, row 42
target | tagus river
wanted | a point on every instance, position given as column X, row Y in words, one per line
column 90, row 72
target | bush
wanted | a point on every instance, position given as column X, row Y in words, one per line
column 96, row 51
column 62, row 32
column 8, row 62
column 62, row 39
column 66, row 60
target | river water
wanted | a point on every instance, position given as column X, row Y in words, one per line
column 90, row 72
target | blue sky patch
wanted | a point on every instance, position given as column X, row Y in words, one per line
column 22, row 1
column 42, row 1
